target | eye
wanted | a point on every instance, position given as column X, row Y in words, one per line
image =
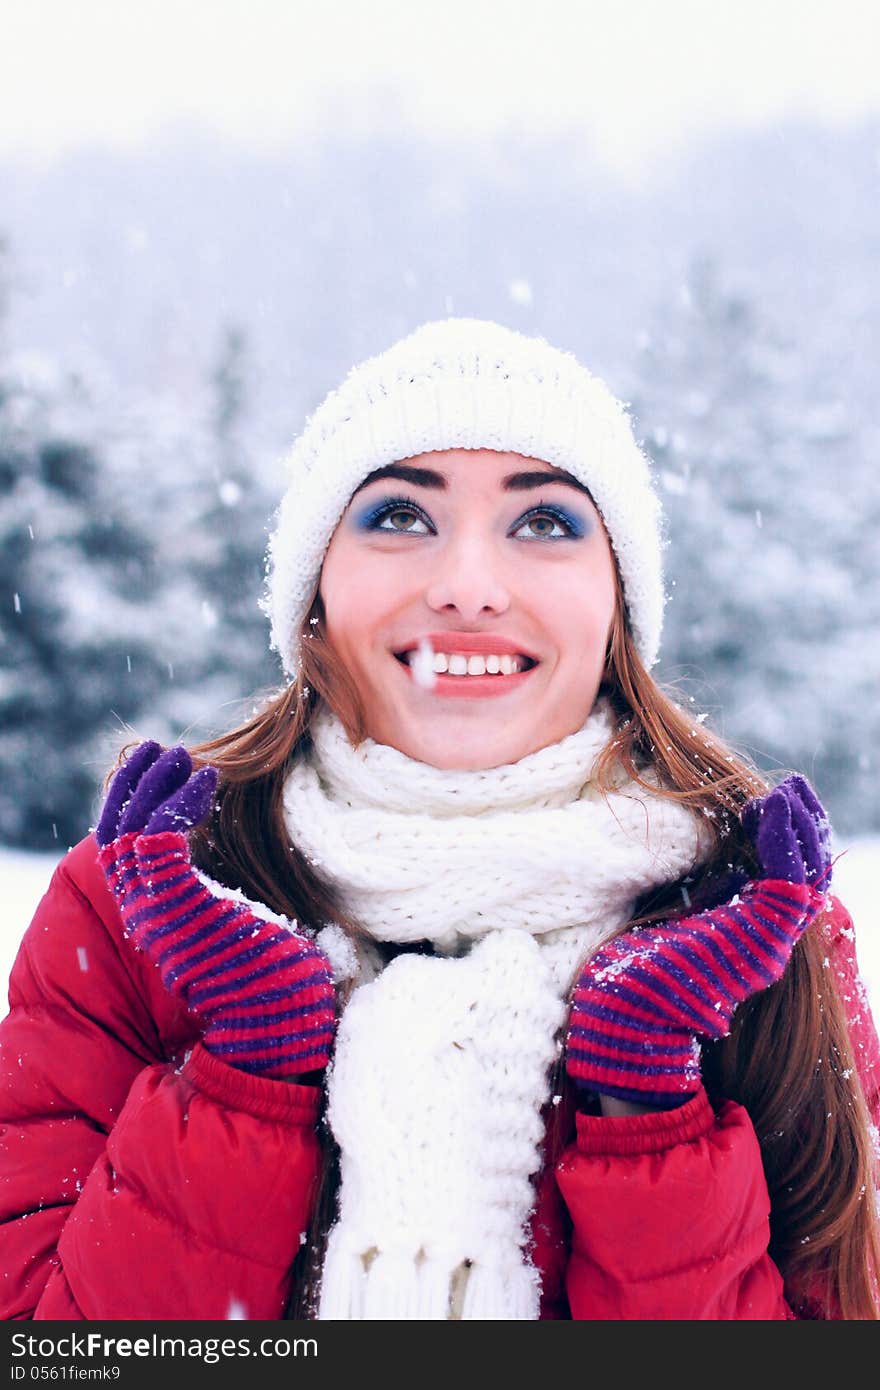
column 556, row 517
column 396, row 513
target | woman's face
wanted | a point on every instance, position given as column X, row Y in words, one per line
column 466, row 554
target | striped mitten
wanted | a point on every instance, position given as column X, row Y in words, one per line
column 645, row 999
column 263, row 993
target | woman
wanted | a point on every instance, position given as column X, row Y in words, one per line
column 472, row 977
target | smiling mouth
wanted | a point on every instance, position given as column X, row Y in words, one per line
column 470, row 666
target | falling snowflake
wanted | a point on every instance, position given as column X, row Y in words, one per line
column 520, row 291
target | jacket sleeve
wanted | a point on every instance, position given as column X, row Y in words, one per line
column 139, row 1180
column 670, row 1217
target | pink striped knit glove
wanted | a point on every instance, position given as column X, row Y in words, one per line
column 264, row 994
column 645, row 999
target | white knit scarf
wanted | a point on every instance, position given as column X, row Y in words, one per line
column 442, row 1062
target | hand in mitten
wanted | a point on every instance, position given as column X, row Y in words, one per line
column 264, row 994
column 645, row 999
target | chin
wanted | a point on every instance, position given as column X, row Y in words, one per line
column 457, row 754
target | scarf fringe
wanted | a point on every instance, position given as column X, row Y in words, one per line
column 400, row 1288
column 493, row 1294
column 393, row 1287
column 397, row 1287
column 342, row 1284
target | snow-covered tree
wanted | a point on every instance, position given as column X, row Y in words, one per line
column 73, row 574
column 130, row 563
column 773, row 570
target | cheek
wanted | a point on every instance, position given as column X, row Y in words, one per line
column 339, row 592
column 583, row 611
column 356, row 594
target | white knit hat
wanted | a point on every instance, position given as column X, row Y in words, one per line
column 463, row 383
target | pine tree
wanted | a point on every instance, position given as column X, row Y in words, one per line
column 72, row 577
column 772, row 608
column 233, row 509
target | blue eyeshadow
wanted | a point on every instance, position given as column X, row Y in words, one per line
column 365, row 519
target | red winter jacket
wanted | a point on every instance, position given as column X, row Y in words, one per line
column 143, row 1178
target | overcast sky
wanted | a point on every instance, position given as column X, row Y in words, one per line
column 637, row 76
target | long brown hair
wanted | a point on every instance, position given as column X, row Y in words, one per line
column 788, row 1058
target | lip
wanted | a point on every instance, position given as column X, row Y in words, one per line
column 469, row 644
column 469, row 687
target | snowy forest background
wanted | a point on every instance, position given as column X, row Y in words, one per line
column 169, row 317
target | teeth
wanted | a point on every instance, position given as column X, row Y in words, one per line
column 458, row 664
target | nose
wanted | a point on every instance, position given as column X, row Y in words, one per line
column 466, row 575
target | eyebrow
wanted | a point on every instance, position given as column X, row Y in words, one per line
column 428, row 477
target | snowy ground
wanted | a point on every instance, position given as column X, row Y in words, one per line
column 24, row 877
